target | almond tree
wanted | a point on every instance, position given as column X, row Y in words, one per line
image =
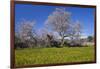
column 45, row 37
column 75, row 32
column 59, row 21
column 26, row 32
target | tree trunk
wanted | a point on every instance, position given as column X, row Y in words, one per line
column 62, row 42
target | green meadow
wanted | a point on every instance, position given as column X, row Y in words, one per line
column 29, row 56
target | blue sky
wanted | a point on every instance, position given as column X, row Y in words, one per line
column 40, row 13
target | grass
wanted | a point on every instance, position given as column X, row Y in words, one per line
column 34, row 56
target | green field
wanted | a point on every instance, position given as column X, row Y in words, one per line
column 34, row 56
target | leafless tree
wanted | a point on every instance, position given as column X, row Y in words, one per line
column 59, row 21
